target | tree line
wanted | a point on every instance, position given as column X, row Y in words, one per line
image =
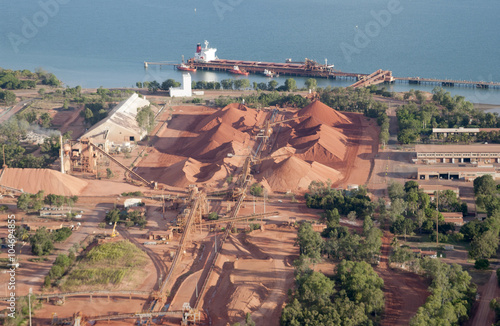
column 25, row 79
column 411, row 209
column 13, row 131
column 452, row 295
column 34, row 202
column 444, row 111
column 352, row 297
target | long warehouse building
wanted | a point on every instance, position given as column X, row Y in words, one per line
column 478, row 153
column 455, row 173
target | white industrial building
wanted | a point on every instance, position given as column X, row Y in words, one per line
column 120, row 126
column 478, row 153
column 185, row 90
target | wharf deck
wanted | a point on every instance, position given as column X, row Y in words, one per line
column 307, row 69
column 310, row 68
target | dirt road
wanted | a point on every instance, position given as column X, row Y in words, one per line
column 16, row 108
column 484, row 316
column 404, row 292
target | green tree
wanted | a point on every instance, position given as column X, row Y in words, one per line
column 310, row 242
column 403, row 226
column 169, row 83
column 271, row 86
column 332, row 217
column 56, row 272
column 290, row 84
column 484, row 185
column 452, row 295
column 213, row 216
column 311, row 83
column 315, row 288
column 473, row 229
column 241, row 84
column 227, row 83
column 481, row 263
column 351, row 216
column 362, row 284
column 484, row 246
column 29, row 202
column 41, row 242
column 248, row 320
column 88, row 115
column 367, row 225
column 45, row 120
column 61, row 234
column 398, row 207
column 396, row 190
column 109, row 173
column 113, row 216
column 8, row 97
column 257, row 190
column 145, row 118
column 54, row 200
column 153, row 86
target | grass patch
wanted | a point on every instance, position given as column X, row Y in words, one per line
column 106, row 265
column 38, row 260
column 479, row 277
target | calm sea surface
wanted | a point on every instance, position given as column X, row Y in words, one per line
column 104, row 43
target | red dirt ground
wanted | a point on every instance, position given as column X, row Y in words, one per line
column 404, row 292
column 253, row 274
column 327, row 145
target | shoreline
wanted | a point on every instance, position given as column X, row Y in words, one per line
column 485, row 106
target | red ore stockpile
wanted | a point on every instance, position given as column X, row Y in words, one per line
column 223, row 132
column 34, row 180
column 313, row 142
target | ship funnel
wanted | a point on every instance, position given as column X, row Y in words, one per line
column 198, row 48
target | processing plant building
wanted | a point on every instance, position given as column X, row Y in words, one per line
column 478, row 153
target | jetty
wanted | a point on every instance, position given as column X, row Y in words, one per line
column 205, row 59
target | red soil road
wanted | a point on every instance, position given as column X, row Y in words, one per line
column 484, row 316
column 361, row 150
column 404, row 292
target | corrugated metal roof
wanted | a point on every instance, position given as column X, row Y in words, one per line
column 461, row 129
column 478, row 148
column 122, row 115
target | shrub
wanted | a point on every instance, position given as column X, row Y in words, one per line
column 132, row 194
column 213, row 216
column 61, row 234
column 482, row 264
column 56, row 272
column 254, row 226
column 257, row 190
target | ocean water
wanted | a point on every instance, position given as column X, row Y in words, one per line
column 104, row 43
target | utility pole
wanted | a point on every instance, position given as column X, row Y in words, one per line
column 437, row 218
column 163, row 204
column 29, row 303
